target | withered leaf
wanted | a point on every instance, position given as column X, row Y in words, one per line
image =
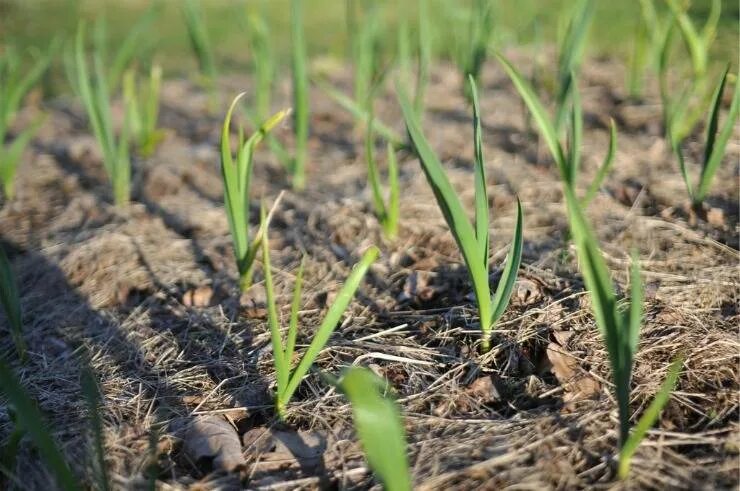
column 212, row 438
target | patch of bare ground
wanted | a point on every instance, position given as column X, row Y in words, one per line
column 148, row 296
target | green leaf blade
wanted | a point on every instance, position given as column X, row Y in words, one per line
column 481, row 194
column 649, row 417
column 539, row 114
column 716, row 145
column 31, row 419
column 458, row 222
column 330, row 321
column 379, row 427
column 508, row 277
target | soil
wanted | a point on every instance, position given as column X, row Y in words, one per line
column 149, row 296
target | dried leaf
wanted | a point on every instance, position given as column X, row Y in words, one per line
column 212, row 438
column 198, row 297
column 716, row 217
column 483, row 390
column 562, row 337
column 577, row 384
column 526, row 292
column 418, row 287
column 564, row 366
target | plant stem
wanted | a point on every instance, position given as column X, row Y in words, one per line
column 485, row 345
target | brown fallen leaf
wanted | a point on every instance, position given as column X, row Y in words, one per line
column 213, row 439
column 564, row 365
column 562, row 337
column 716, row 217
column 483, row 390
column 526, row 292
column 575, row 382
column 418, row 287
column 198, row 297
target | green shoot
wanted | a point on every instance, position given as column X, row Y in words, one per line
column 683, row 111
column 299, row 58
column 263, row 63
column 480, row 31
column 30, row 420
column 11, row 302
column 9, row 450
column 403, row 52
column 425, row 58
column 567, row 159
column 697, row 42
column 472, row 239
column 569, row 57
column 289, row 378
column 652, row 32
column 366, row 66
column 360, row 113
column 91, row 393
column 264, row 70
column 15, row 84
column 378, row 424
column 199, row 42
column 716, row 142
column 10, row 156
column 387, row 212
column 620, row 330
column 95, row 96
column 648, row 419
column 142, row 109
column 639, row 59
column 237, row 175
column 130, row 48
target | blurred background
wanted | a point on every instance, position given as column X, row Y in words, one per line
column 34, row 23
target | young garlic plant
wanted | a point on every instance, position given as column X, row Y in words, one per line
column 263, row 62
column 388, row 211
column 95, row 94
column 684, row 107
column 423, row 58
column 236, row 171
column 715, row 142
column 472, row 239
column 567, row 158
column 652, row 30
column 264, row 68
column 378, row 424
column 366, row 58
column 620, row 329
column 479, row 34
column 141, row 103
column 11, row 302
column 30, row 422
column 15, row 84
column 570, row 55
column 200, row 42
column 288, row 377
column 299, row 65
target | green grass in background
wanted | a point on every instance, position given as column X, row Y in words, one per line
column 30, row 23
